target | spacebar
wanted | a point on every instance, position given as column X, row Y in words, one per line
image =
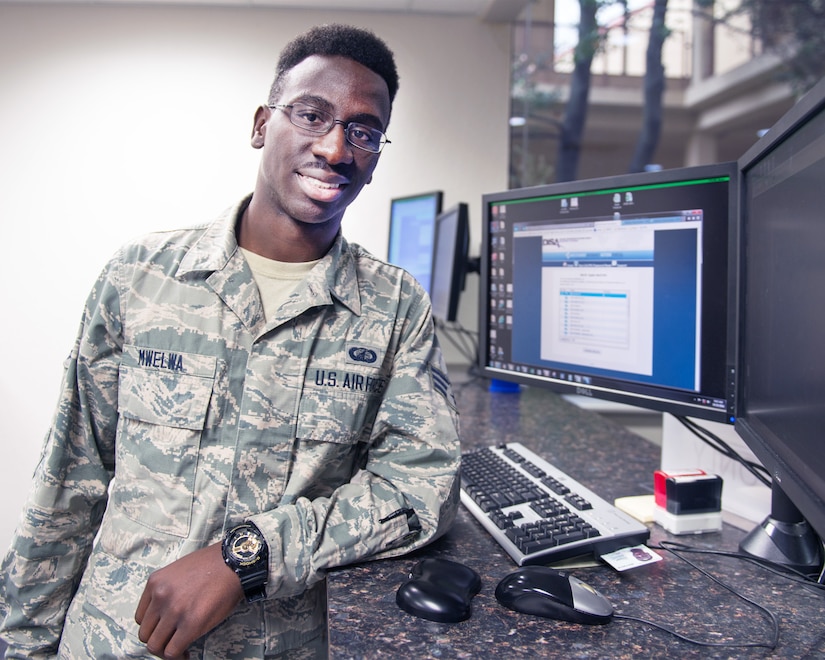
column 569, row 537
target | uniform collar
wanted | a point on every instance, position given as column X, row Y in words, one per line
column 217, row 245
column 334, row 277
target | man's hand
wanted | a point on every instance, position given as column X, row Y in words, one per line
column 185, row 600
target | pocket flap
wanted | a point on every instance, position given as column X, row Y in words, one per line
column 166, row 388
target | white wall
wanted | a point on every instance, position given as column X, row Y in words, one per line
column 118, row 120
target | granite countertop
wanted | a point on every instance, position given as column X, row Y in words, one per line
column 365, row 622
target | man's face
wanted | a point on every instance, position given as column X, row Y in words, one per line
column 309, row 177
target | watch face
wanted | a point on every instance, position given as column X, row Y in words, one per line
column 245, row 546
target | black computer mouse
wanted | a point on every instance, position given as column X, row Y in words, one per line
column 554, row 594
column 439, row 590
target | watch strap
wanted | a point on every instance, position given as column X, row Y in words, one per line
column 254, row 583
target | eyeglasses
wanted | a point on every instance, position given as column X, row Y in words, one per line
column 321, row 122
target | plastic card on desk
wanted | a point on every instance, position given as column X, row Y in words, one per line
column 627, row 558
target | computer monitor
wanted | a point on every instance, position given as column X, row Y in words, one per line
column 781, row 399
column 615, row 288
column 412, row 229
column 451, row 261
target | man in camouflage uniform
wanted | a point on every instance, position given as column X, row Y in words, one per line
column 257, row 369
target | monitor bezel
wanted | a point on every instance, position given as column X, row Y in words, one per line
column 726, row 169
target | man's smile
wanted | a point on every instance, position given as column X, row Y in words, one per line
column 320, row 190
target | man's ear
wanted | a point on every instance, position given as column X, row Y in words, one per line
column 262, row 115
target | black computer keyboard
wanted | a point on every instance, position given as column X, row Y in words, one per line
column 537, row 513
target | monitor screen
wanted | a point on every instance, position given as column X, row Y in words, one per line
column 412, row 229
column 614, row 288
column 781, row 399
column 450, row 261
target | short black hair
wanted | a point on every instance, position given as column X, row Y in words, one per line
column 344, row 40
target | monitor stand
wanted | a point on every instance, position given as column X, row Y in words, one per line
column 785, row 537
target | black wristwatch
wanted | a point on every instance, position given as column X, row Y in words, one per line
column 245, row 551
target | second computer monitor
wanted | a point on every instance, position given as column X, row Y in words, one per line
column 781, row 398
column 412, row 230
column 450, row 261
column 615, row 288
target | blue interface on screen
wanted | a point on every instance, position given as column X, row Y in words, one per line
column 412, row 227
column 618, row 291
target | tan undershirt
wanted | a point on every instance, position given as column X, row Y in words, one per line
column 275, row 279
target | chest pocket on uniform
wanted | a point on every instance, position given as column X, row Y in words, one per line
column 163, row 398
column 339, row 406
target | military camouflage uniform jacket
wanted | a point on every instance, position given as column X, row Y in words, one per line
column 183, row 412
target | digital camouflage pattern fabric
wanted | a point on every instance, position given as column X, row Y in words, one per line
column 184, row 412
